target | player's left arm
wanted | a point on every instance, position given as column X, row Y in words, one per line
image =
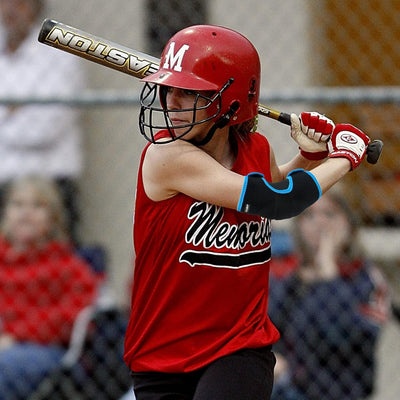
column 280, row 172
column 285, row 199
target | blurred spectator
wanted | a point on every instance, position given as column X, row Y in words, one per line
column 329, row 309
column 38, row 139
column 97, row 370
column 43, row 285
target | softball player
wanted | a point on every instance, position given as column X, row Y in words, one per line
column 208, row 187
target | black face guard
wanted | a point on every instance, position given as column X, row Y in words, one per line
column 153, row 118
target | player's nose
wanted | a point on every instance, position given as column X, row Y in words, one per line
column 173, row 98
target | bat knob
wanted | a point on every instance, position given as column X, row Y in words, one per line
column 374, row 151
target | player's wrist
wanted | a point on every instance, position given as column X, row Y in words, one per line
column 346, row 162
column 314, row 155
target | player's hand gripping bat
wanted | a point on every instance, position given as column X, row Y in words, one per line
column 135, row 63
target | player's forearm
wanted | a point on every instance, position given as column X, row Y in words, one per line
column 298, row 162
column 330, row 172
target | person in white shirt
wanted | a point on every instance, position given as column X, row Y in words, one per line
column 38, row 139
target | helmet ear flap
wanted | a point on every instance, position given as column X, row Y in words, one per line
column 234, row 109
column 231, row 114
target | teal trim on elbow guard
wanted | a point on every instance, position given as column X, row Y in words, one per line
column 279, row 200
column 244, row 188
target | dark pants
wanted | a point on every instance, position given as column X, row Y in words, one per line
column 244, row 375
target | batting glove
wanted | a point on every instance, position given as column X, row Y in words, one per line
column 311, row 131
column 349, row 142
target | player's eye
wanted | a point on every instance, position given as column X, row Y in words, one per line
column 189, row 92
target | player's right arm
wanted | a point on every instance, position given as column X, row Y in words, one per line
column 180, row 167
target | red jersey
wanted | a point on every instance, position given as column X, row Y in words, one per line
column 42, row 291
column 201, row 276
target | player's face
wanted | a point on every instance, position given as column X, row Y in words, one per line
column 27, row 217
column 181, row 99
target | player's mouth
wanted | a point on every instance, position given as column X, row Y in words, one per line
column 178, row 122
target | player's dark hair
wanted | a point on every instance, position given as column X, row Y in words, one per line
column 244, row 130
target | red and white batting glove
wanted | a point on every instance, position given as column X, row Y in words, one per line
column 311, row 131
column 349, row 142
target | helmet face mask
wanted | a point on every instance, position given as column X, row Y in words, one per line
column 153, row 118
column 218, row 65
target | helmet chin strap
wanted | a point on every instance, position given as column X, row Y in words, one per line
column 220, row 123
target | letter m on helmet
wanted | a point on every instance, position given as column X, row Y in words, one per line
column 174, row 60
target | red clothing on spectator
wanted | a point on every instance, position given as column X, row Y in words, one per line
column 42, row 291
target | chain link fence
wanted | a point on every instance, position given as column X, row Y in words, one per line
column 338, row 58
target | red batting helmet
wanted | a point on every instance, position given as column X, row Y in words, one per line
column 206, row 58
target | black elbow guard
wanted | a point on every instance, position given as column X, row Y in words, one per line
column 279, row 200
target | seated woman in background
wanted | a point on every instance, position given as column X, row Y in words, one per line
column 329, row 309
column 43, row 285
